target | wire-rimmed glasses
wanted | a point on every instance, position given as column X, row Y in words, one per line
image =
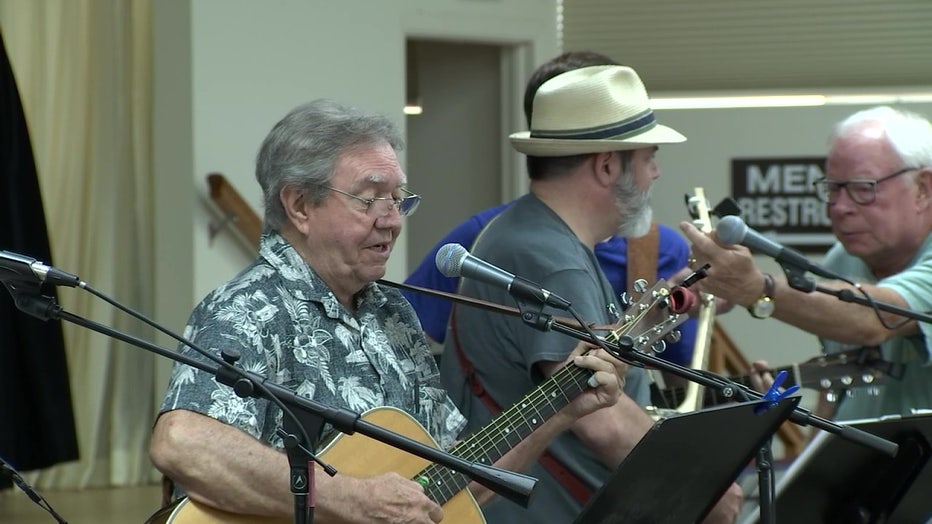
column 860, row 191
column 380, row 206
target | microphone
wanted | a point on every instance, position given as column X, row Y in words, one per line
column 453, row 260
column 16, row 267
column 732, row 230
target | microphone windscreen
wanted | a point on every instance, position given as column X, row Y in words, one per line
column 450, row 259
column 731, row 229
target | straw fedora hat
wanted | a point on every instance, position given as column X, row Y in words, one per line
column 592, row 110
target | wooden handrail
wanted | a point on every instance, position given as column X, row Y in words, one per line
column 235, row 209
column 725, row 357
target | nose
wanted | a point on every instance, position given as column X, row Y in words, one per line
column 840, row 196
column 841, row 204
column 390, row 219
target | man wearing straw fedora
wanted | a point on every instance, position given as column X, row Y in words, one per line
column 591, row 161
column 663, row 253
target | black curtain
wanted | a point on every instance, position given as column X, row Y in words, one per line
column 36, row 418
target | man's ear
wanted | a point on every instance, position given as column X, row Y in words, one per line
column 603, row 168
column 924, row 189
column 295, row 205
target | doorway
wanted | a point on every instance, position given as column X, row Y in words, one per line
column 456, row 145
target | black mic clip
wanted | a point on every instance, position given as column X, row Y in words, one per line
column 696, row 276
column 29, row 299
column 796, row 277
column 536, row 319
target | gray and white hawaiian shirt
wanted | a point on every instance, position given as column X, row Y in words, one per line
column 288, row 326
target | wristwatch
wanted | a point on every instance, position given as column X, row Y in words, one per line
column 763, row 306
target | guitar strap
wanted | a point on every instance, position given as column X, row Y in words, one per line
column 642, row 256
column 569, row 480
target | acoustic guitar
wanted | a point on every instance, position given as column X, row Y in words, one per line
column 655, row 316
column 853, row 368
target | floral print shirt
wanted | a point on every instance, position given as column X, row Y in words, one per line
column 289, row 327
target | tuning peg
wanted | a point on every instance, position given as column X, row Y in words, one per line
column 658, row 347
column 674, row 336
column 640, row 285
column 867, row 378
column 625, row 300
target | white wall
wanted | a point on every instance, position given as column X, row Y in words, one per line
column 227, row 70
column 454, row 147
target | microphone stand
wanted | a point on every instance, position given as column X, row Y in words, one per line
column 10, row 472
column 624, row 351
column 513, row 486
column 728, row 389
column 797, row 280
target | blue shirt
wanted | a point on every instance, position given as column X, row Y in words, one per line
column 611, row 254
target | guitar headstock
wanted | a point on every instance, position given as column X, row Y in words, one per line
column 651, row 321
column 699, row 209
column 853, row 368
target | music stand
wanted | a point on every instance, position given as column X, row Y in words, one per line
column 834, row 480
column 684, row 464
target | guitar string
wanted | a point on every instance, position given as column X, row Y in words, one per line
column 477, row 448
column 448, row 482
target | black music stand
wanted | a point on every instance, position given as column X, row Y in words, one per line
column 684, row 464
column 837, row 481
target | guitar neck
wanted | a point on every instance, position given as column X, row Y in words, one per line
column 506, row 430
column 712, row 397
column 691, row 398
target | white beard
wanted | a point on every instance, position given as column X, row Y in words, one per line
column 634, row 206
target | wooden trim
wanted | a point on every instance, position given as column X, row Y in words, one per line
column 235, row 209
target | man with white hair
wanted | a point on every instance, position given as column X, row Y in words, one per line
column 878, row 189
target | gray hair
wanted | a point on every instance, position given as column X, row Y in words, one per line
column 302, row 150
column 909, row 133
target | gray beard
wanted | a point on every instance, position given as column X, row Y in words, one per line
column 634, row 206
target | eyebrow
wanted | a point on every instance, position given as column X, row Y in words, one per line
column 379, row 178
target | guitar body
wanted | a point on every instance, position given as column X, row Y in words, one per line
column 356, row 456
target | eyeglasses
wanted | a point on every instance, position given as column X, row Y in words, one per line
column 861, row 191
column 380, row 206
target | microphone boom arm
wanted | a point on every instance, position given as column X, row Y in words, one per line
column 514, row 486
column 728, row 388
column 798, row 281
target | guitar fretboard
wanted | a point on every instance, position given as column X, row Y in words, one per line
column 506, row 430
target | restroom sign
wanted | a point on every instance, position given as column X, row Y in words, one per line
column 776, row 197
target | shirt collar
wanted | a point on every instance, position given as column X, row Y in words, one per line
column 303, row 282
